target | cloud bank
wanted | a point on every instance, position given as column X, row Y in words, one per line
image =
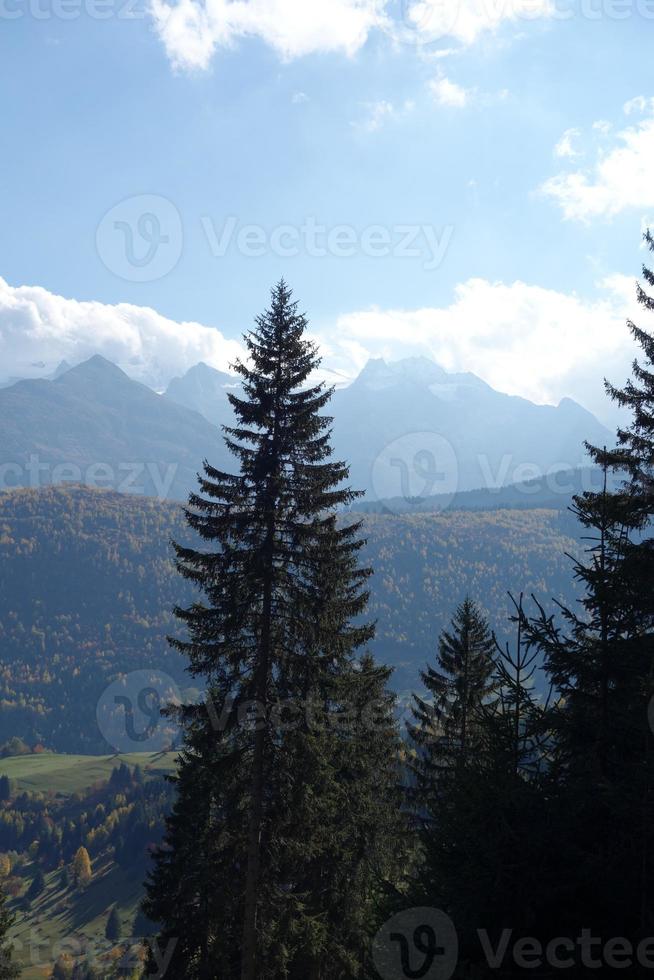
column 192, row 31
column 520, row 338
column 39, row 329
column 466, row 20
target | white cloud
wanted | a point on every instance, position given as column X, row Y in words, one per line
column 192, row 30
column 448, row 93
column 638, row 105
column 39, row 329
column 520, row 338
column 565, row 148
column 467, row 20
column 378, row 113
column 621, row 177
column 299, row 98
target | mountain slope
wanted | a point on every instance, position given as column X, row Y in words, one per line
column 412, row 429
column 204, row 390
column 87, row 588
column 408, row 430
column 92, row 424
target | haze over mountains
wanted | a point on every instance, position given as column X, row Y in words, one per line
column 408, row 429
column 94, row 425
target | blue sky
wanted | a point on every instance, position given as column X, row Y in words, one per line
column 505, row 144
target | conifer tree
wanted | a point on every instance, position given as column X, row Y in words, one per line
column 242, row 884
column 600, row 661
column 447, row 734
column 36, row 886
column 448, row 724
column 352, row 836
column 114, row 929
column 479, row 812
column 633, row 457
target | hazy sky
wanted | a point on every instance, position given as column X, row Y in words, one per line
column 466, row 179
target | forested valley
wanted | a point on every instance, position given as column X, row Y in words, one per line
column 393, row 745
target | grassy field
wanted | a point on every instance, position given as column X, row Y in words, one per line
column 63, row 920
column 66, row 774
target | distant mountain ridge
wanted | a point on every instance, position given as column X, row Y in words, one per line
column 408, row 429
column 204, row 390
column 94, row 425
column 413, row 429
column 552, row 492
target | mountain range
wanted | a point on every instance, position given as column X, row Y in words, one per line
column 408, row 429
column 94, row 425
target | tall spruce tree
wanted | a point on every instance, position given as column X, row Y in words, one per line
column 447, row 733
column 480, row 812
column 447, row 725
column 264, row 855
column 600, row 661
column 633, row 457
